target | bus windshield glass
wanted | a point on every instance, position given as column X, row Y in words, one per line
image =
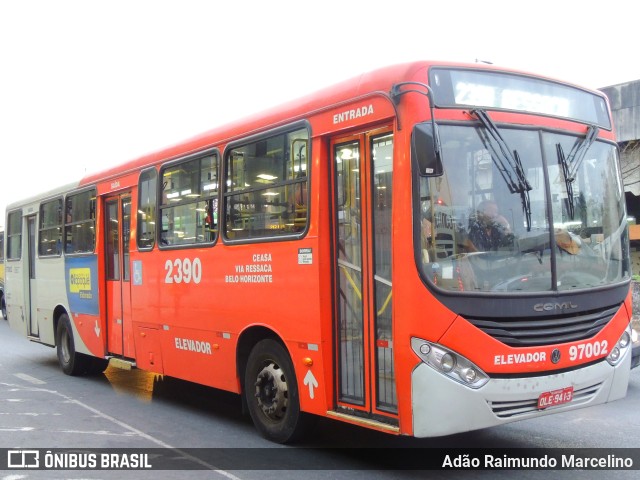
column 539, row 219
column 498, row 90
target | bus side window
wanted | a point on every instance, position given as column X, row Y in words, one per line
column 266, row 187
column 50, row 228
column 189, row 201
column 79, row 228
column 147, row 191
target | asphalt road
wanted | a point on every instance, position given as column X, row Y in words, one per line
column 41, row 408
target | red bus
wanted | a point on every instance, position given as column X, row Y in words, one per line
column 426, row 249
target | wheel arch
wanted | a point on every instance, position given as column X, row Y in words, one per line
column 57, row 313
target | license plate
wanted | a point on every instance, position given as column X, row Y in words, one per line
column 555, row 397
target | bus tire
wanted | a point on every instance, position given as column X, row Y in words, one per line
column 4, row 307
column 71, row 362
column 271, row 393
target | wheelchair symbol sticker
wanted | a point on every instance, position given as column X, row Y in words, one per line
column 137, row 272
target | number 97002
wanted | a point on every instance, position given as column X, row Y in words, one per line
column 584, row 351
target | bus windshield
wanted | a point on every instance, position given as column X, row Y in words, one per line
column 521, row 210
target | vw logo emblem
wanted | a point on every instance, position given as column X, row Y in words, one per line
column 555, row 356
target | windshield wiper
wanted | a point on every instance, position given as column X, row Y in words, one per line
column 579, row 150
column 568, row 181
column 571, row 164
column 508, row 164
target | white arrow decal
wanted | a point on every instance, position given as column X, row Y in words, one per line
column 97, row 329
column 311, row 381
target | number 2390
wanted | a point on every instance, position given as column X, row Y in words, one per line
column 183, row 270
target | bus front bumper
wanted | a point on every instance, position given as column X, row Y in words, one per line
column 442, row 406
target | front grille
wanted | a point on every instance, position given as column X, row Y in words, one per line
column 522, row 407
column 537, row 331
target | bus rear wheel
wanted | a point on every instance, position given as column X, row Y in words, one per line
column 71, row 362
column 271, row 392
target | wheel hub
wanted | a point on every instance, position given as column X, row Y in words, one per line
column 272, row 391
column 66, row 350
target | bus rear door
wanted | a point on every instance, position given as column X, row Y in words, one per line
column 33, row 330
column 118, row 286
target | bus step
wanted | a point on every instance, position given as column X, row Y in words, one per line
column 365, row 422
column 121, row 364
column 33, row 338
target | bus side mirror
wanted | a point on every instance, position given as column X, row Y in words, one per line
column 425, row 148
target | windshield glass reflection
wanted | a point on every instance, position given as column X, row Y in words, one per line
column 477, row 233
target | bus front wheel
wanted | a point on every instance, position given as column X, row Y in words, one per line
column 271, row 392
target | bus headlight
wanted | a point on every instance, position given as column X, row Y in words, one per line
column 624, row 341
column 449, row 363
column 620, row 349
column 470, row 375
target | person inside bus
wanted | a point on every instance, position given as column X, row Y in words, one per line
column 488, row 229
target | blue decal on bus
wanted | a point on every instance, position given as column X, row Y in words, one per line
column 82, row 284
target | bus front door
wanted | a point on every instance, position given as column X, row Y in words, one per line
column 117, row 269
column 362, row 174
